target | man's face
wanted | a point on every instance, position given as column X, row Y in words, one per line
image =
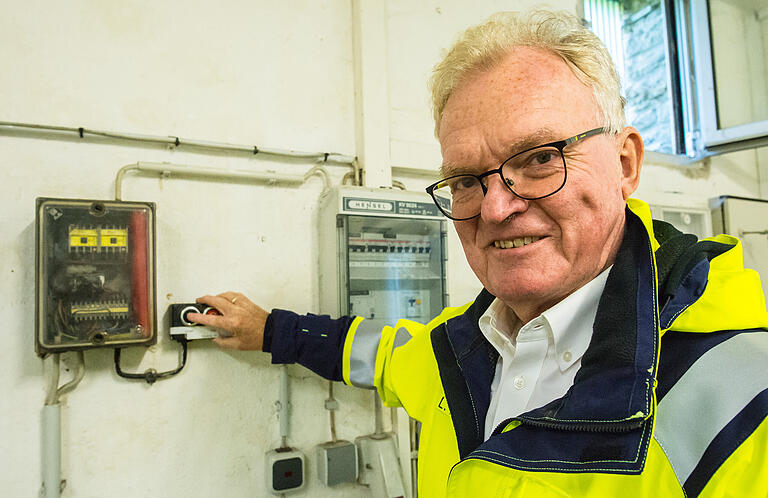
column 532, row 98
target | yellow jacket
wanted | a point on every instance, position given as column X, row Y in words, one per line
column 670, row 400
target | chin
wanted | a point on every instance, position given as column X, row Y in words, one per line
column 528, row 285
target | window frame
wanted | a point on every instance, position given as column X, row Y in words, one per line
column 690, row 69
column 715, row 140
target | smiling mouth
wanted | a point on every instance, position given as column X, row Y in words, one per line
column 513, row 243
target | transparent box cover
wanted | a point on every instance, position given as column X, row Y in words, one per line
column 394, row 267
column 95, row 274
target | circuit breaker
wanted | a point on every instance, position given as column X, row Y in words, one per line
column 382, row 254
column 95, row 274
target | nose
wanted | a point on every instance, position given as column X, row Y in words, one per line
column 499, row 202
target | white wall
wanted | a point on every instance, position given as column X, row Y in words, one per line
column 275, row 74
column 245, row 73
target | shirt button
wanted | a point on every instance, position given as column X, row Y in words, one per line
column 519, row 382
column 567, row 356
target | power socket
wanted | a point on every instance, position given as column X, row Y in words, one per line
column 182, row 328
column 285, row 470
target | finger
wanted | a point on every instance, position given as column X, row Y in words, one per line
column 229, row 295
column 218, row 302
column 211, row 320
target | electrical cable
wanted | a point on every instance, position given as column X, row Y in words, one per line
column 175, row 141
column 320, row 171
column 53, row 383
column 151, row 375
column 284, row 406
column 379, row 424
column 79, row 374
column 332, row 405
column 54, row 392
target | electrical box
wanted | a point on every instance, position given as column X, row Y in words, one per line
column 687, row 220
column 379, row 466
column 337, row 462
column 95, row 274
column 746, row 219
column 382, row 254
column 285, row 470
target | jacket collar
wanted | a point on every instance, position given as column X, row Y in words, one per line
column 613, row 390
column 661, row 279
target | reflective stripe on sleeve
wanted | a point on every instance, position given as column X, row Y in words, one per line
column 361, row 350
column 713, row 391
column 402, row 336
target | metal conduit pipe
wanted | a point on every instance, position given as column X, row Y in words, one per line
column 285, row 406
column 270, row 177
column 51, row 430
column 320, row 171
column 51, row 457
column 178, row 142
column 51, row 434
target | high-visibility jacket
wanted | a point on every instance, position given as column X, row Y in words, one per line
column 670, row 400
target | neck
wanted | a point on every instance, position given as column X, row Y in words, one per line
column 528, row 310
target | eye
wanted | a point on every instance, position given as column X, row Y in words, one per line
column 543, row 157
column 463, row 183
column 467, row 182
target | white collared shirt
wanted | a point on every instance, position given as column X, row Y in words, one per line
column 539, row 360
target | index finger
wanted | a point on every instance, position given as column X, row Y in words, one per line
column 211, row 320
column 218, row 302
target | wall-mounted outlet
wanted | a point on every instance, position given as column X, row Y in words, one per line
column 285, row 470
column 183, row 328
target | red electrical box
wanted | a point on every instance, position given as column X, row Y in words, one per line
column 95, row 274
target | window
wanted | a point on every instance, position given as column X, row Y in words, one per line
column 694, row 72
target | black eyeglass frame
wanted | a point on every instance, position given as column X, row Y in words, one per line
column 559, row 145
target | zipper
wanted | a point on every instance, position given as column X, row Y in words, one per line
column 615, row 427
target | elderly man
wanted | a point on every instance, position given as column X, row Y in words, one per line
column 608, row 354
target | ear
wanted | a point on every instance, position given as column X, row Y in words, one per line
column 631, row 151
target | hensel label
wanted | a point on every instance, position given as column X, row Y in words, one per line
column 395, row 207
column 369, row 205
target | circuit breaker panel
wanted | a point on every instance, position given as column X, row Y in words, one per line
column 95, row 274
column 387, row 258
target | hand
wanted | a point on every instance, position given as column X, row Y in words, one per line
column 243, row 319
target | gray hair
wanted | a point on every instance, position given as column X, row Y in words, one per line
column 483, row 46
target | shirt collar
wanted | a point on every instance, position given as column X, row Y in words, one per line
column 499, row 325
column 570, row 322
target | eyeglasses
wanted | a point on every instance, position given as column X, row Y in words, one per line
column 532, row 174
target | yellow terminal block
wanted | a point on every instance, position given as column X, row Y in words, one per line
column 99, row 310
column 114, row 237
column 83, row 237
